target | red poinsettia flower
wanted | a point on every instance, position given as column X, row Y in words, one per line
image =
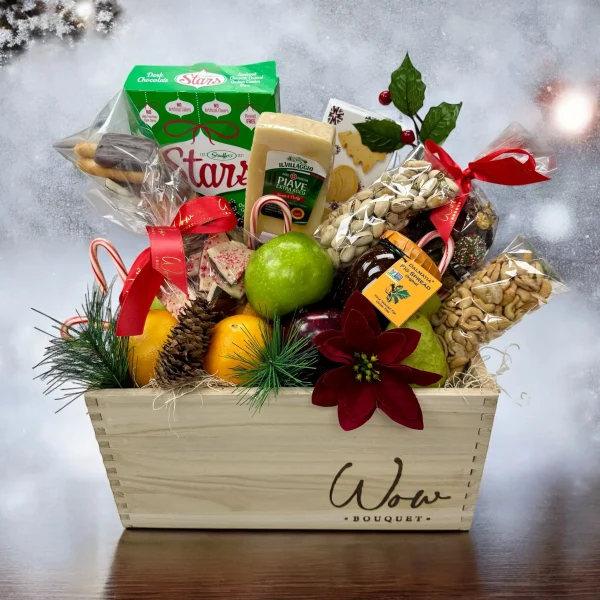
column 371, row 376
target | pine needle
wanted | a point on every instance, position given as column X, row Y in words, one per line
column 273, row 361
column 92, row 358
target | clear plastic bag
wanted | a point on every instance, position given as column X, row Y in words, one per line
column 473, row 232
column 474, row 226
column 494, row 299
column 131, row 183
column 516, row 136
column 408, row 190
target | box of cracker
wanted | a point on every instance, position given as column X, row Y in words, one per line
column 203, row 117
column 355, row 166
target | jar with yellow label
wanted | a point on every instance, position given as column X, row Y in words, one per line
column 374, row 262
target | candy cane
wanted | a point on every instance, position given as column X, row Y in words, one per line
column 100, row 278
column 71, row 322
column 448, row 249
column 268, row 199
column 97, row 269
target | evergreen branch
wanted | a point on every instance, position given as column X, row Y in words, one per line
column 271, row 362
column 92, row 358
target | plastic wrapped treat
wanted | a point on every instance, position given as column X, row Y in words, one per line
column 473, row 232
column 132, row 185
column 492, row 300
column 389, row 204
column 515, row 157
column 130, row 182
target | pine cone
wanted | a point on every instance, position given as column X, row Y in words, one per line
column 180, row 360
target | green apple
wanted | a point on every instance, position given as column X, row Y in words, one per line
column 429, row 354
column 287, row 272
column 157, row 305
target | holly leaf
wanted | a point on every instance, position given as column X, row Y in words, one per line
column 380, row 135
column 439, row 122
column 407, row 88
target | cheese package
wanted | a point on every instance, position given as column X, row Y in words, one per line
column 355, row 166
column 291, row 158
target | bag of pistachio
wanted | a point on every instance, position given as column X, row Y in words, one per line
column 492, row 300
column 388, row 204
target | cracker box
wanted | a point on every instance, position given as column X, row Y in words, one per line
column 355, row 166
column 203, row 116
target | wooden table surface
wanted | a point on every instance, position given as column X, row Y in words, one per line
column 536, row 534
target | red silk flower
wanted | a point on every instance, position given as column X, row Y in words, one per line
column 371, row 376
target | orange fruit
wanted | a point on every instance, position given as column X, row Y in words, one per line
column 226, row 334
column 144, row 348
column 245, row 309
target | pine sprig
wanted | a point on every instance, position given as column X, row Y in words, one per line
column 273, row 361
column 93, row 357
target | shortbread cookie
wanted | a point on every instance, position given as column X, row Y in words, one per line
column 358, row 152
column 85, row 149
column 90, row 166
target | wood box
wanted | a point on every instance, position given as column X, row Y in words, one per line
column 215, row 464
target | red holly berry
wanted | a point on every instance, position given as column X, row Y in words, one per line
column 408, row 136
column 385, row 97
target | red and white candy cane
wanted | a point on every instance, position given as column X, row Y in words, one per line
column 448, row 250
column 268, row 199
column 97, row 269
column 100, row 278
column 71, row 322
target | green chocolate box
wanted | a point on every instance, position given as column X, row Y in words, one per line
column 203, row 118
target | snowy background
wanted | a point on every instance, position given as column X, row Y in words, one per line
column 496, row 57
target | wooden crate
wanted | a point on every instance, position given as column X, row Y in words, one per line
column 291, row 466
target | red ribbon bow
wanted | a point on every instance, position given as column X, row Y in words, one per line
column 165, row 258
column 491, row 168
column 195, row 127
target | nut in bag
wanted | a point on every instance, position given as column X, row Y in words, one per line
column 131, row 184
column 388, row 204
column 472, row 220
column 492, row 300
column 473, row 232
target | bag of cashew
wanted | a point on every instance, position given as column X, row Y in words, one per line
column 496, row 297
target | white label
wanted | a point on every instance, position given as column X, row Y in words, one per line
column 179, row 107
column 344, row 116
column 216, row 108
column 200, row 79
column 211, row 168
column 149, row 115
column 249, row 118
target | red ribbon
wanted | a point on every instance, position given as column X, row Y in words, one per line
column 491, row 168
column 195, row 127
column 165, row 258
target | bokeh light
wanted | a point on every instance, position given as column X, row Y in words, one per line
column 574, row 111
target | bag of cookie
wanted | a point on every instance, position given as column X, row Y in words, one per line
column 130, row 182
column 416, row 186
column 493, row 299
